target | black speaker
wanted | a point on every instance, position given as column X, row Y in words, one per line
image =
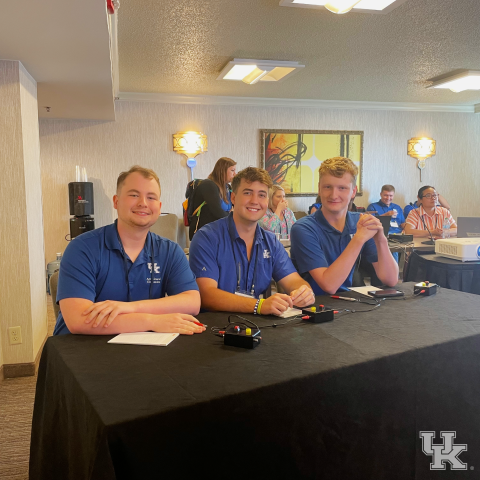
column 79, row 225
column 80, row 196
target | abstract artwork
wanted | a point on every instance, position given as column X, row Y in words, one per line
column 293, row 157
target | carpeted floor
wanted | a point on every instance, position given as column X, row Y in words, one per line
column 16, row 408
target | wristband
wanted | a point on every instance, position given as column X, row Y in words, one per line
column 255, row 309
column 259, row 309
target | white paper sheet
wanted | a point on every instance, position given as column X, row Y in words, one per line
column 364, row 290
column 145, row 338
column 290, row 312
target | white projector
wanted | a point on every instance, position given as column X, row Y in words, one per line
column 463, row 249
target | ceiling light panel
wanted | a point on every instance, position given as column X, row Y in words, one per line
column 253, row 71
column 364, row 6
column 468, row 80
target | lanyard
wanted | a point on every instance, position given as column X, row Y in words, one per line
column 238, row 270
column 126, row 268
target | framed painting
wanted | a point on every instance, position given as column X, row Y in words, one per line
column 293, row 157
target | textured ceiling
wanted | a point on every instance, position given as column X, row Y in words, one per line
column 180, row 47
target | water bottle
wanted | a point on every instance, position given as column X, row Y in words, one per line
column 446, row 228
column 51, row 267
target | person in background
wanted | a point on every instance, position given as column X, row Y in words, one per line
column 234, row 259
column 386, row 208
column 428, row 216
column 212, row 195
column 123, row 278
column 278, row 218
column 440, row 202
column 314, row 207
column 327, row 244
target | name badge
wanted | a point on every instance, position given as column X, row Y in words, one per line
column 394, row 223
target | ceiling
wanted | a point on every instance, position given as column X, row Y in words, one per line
column 65, row 46
column 179, row 47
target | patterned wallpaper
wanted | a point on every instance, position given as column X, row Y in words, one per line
column 33, row 191
column 142, row 134
column 21, row 231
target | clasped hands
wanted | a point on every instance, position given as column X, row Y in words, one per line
column 368, row 227
column 280, row 302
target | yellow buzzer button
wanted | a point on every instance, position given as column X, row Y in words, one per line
column 314, row 309
column 248, row 331
column 424, row 284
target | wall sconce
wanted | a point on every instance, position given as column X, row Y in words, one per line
column 421, row 148
column 190, row 144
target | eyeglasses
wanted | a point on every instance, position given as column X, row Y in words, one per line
column 431, row 195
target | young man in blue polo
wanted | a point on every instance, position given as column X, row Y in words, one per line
column 326, row 245
column 235, row 260
column 386, row 208
column 114, row 279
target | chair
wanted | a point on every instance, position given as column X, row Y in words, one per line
column 299, row 215
column 166, row 226
column 53, row 282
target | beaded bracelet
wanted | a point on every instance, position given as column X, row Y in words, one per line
column 256, row 307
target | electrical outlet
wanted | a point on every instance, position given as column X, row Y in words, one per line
column 15, row 335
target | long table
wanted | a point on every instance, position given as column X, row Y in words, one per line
column 345, row 399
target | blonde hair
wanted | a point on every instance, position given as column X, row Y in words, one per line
column 219, row 175
column 272, row 192
column 252, row 174
column 144, row 172
column 338, row 166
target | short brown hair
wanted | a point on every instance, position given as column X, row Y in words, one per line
column 388, row 188
column 338, row 166
column 250, row 175
column 219, row 174
column 144, row 172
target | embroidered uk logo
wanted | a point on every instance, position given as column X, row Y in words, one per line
column 204, row 269
column 156, row 267
column 442, row 453
column 266, row 254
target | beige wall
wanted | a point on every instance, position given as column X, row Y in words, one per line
column 143, row 134
column 21, row 233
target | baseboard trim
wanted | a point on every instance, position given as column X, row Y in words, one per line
column 16, row 370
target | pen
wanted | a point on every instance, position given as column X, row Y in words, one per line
column 200, row 324
column 344, row 298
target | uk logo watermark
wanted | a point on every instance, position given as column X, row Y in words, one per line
column 445, row 452
column 155, row 266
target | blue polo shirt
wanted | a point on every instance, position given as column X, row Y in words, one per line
column 409, row 208
column 93, row 267
column 381, row 208
column 218, row 252
column 316, row 244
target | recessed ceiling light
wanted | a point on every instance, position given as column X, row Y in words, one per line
column 253, row 71
column 344, row 6
column 467, row 80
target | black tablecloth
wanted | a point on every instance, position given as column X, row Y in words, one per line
column 446, row 272
column 341, row 400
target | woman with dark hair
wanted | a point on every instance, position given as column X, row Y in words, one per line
column 428, row 219
column 211, row 199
